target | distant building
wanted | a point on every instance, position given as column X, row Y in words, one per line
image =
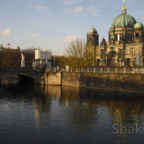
column 124, row 47
column 42, row 58
column 5, row 49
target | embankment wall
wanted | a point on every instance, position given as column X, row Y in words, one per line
column 107, row 81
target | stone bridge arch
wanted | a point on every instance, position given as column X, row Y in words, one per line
column 23, row 74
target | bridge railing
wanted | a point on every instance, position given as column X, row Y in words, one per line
column 17, row 69
column 124, row 70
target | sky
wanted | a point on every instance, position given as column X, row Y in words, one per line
column 52, row 24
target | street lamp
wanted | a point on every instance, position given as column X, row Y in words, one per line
column 1, row 48
column 54, row 61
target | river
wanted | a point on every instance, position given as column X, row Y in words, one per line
column 59, row 115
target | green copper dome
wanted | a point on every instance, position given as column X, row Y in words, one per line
column 123, row 20
column 92, row 30
column 138, row 25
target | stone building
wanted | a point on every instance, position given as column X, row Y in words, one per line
column 125, row 46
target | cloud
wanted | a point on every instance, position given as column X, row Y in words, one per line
column 71, row 2
column 35, row 35
column 77, row 9
column 6, row 32
column 38, row 7
column 73, row 10
column 70, row 39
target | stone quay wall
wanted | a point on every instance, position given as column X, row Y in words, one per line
column 107, row 81
column 52, row 78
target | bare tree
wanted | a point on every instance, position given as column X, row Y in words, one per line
column 76, row 54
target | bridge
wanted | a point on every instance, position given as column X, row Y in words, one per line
column 14, row 75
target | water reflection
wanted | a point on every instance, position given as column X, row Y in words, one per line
column 82, row 114
column 125, row 109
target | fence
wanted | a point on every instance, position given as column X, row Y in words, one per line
column 124, row 70
column 17, row 69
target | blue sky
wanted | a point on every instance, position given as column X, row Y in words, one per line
column 51, row 24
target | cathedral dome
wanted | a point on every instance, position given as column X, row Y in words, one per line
column 139, row 25
column 92, row 30
column 123, row 20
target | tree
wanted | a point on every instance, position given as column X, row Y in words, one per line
column 29, row 54
column 10, row 57
column 76, row 54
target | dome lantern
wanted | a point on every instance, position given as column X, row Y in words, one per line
column 124, row 8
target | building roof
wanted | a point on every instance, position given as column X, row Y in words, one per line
column 123, row 20
column 92, row 30
column 139, row 25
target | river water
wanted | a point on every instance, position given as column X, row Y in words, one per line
column 59, row 115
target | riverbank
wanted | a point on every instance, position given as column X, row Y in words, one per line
column 106, row 81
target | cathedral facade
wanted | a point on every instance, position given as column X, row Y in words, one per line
column 125, row 46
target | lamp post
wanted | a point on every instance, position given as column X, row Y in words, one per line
column 106, row 58
column 54, row 61
column 1, row 56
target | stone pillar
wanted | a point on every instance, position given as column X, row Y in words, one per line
column 141, row 61
column 116, row 71
column 108, row 70
column 142, row 70
column 116, row 60
column 133, row 70
column 87, row 70
column 43, row 80
column 124, row 70
column 101, row 70
column 94, row 55
column 67, row 68
column 94, row 70
column 46, row 78
column 106, row 60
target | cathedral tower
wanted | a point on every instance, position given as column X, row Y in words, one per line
column 92, row 43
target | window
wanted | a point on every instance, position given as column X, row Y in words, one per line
column 118, row 37
column 120, row 52
column 137, row 35
column 101, row 54
column 128, row 51
column 131, row 51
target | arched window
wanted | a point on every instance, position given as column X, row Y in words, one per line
column 118, row 37
column 137, row 35
column 120, row 52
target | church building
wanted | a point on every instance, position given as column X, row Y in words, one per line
column 125, row 46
